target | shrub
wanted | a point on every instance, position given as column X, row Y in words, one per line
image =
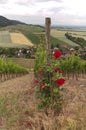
column 49, row 81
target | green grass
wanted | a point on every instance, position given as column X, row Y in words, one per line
column 57, row 42
column 31, row 28
column 5, row 37
column 10, row 45
column 33, row 38
column 59, row 34
column 20, row 28
column 26, row 63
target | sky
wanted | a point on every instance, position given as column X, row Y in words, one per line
column 61, row 12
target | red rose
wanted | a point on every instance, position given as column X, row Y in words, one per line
column 56, row 53
column 58, row 70
column 28, row 124
column 60, row 81
column 42, row 85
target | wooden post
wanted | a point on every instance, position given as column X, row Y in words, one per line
column 48, row 44
column 48, row 48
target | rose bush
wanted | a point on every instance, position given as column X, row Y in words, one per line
column 49, row 82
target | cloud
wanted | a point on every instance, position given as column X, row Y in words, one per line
column 27, row 7
column 48, row 0
column 3, row 1
column 24, row 2
column 61, row 11
column 74, row 7
column 56, row 10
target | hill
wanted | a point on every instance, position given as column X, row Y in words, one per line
column 6, row 22
column 33, row 33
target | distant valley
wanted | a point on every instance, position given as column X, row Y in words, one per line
column 33, row 33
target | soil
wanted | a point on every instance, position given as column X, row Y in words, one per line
column 73, row 115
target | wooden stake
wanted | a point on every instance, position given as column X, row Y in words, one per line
column 48, row 44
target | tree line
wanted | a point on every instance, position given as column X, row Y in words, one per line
column 78, row 40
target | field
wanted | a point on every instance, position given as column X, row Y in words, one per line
column 79, row 34
column 8, row 39
column 5, row 37
column 60, row 34
column 19, row 38
column 27, row 30
column 32, row 33
column 18, row 106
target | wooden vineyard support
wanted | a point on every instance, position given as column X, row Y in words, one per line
column 48, row 48
column 47, row 36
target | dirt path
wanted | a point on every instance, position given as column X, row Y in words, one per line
column 17, row 103
column 18, row 106
column 16, row 84
column 74, row 111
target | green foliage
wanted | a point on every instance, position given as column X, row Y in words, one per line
column 10, row 67
column 8, row 51
column 48, row 90
column 73, row 65
column 40, row 59
column 78, row 40
column 13, row 52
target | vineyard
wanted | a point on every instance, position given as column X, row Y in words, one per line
column 73, row 67
column 44, row 93
column 9, row 70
